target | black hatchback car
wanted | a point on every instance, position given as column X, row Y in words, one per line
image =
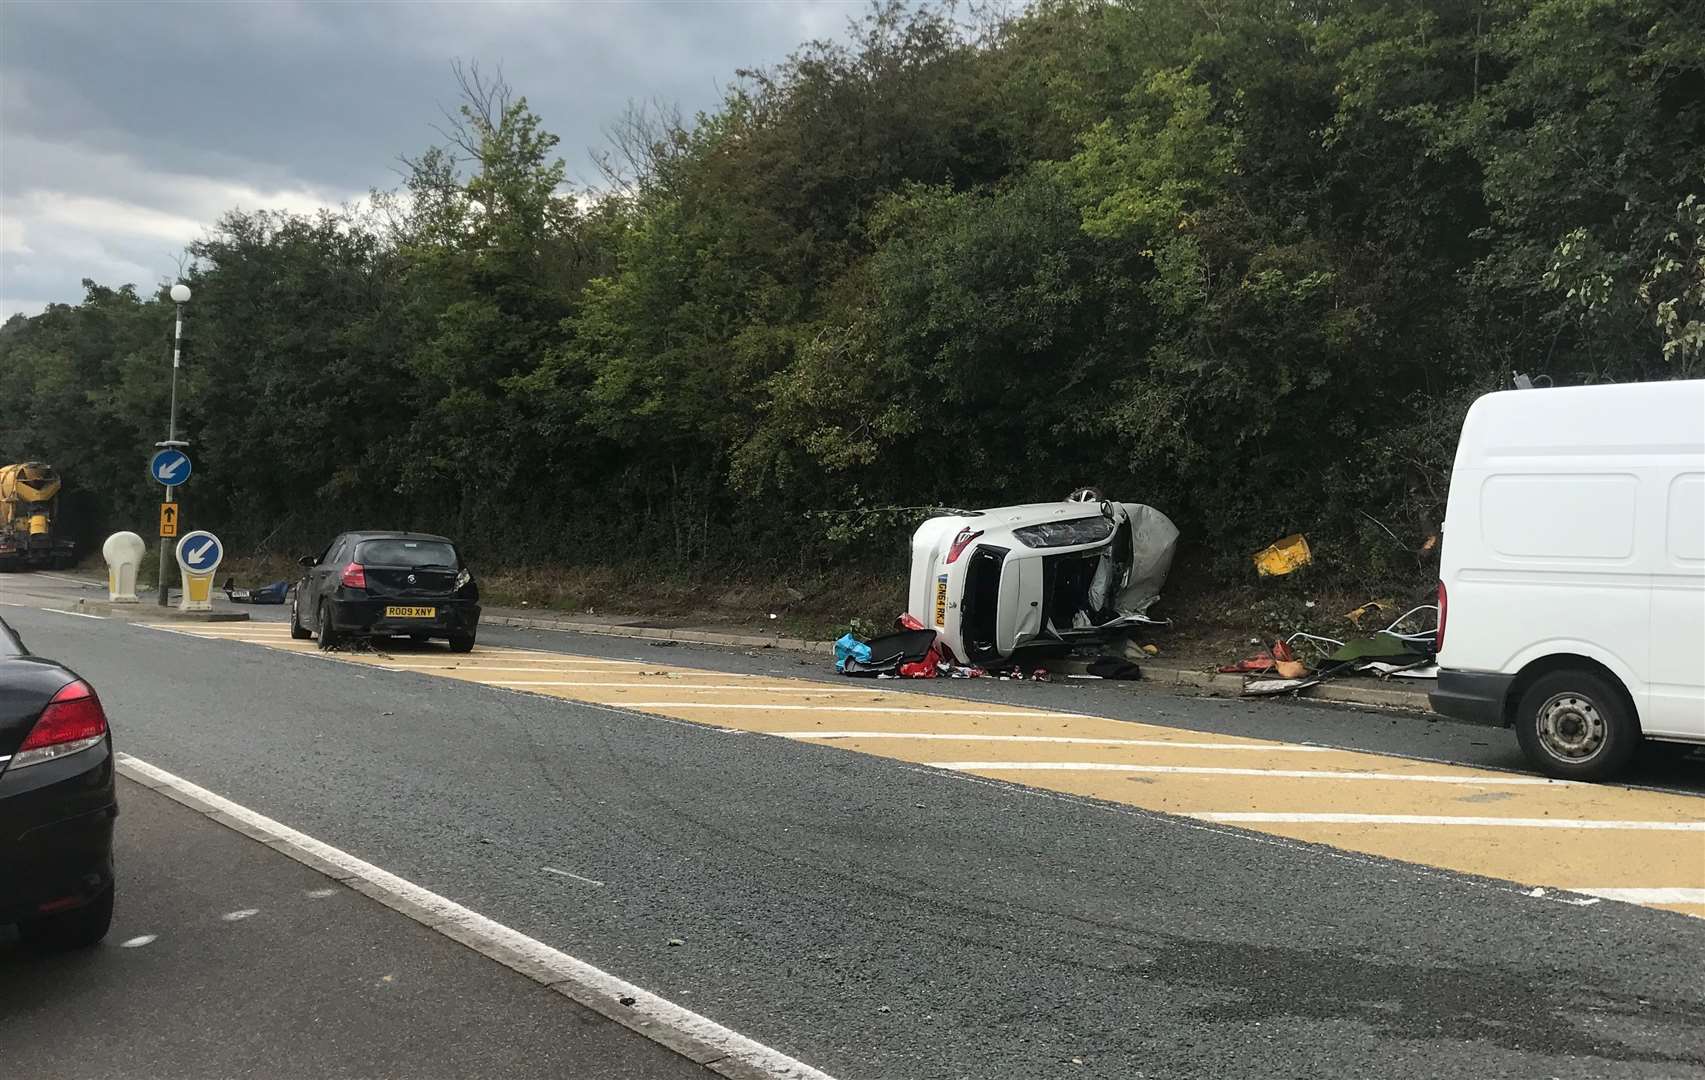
column 57, row 801
column 375, row 584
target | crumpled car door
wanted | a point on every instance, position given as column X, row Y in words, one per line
column 1152, row 540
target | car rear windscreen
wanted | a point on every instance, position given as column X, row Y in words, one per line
column 406, row 553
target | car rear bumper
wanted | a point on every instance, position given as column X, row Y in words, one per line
column 1474, row 696
column 369, row 616
column 56, row 827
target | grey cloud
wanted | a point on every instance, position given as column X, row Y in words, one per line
column 172, row 108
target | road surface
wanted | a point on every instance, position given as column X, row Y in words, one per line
column 1065, row 892
column 227, row 959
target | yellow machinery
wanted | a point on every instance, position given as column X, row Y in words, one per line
column 29, row 502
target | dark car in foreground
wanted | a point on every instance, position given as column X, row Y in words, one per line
column 57, row 801
column 378, row 584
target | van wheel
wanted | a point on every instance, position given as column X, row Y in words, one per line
column 1575, row 725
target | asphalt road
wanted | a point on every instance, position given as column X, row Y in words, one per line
column 881, row 920
column 226, row 959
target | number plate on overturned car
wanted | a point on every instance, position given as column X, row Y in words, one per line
column 410, row 612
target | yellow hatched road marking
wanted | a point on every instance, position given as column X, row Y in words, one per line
column 1607, row 841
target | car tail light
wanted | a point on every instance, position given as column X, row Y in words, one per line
column 1444, row 609
column 72, row 721
column 960, row 543
column 354, row 576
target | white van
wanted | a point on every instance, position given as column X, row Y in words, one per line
column 1572, row 584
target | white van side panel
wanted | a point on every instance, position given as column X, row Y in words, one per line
column 1553, row 516
column 1676, row 701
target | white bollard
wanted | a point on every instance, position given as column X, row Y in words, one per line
column 123, row 553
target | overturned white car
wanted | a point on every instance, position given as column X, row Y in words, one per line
column 993, row 581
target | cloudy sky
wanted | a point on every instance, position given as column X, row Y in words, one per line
column 126, row 128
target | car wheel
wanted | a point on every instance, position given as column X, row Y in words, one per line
column 1575, row 725
column 75, row 929
column 461, row 643
column 329, row 638
column 298, row 632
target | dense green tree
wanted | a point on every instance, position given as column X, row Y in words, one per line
column 1247, row 259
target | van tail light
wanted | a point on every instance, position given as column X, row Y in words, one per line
column 354, row 576
column 1444, row 609
column 960, row 543
column 72, row 721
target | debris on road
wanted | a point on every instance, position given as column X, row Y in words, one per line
column 1283, row 556
column 274, row 593
column 1114, row 667
column 1371, row 609
column 1406, row 648
column 913, row 651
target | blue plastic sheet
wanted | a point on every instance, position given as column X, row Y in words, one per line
column 850, row 648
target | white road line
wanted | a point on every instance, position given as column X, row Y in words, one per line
column 566, row 874
column 996, row 710
column 1648, row 896
column 1075, row 740
column 85, row 582
column 1216, row 770
column 686, row 1032
column 654, row 684
column 445, row 669
column 1260, row 818
column 74, row 614
column 540, row 655
column 463, row 665
column 250, row 627
column 233, row 630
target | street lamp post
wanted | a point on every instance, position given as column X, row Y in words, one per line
column 180, row 297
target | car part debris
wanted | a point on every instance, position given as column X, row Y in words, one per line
column 1283, row 556
column 274, row 593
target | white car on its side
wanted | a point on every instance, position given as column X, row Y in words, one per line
column 992, row 581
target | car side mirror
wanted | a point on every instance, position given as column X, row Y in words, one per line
column 309, row 560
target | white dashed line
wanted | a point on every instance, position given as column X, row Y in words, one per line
column 682, row 686
column 566, row 874
column 1002, row 711
column 138, row 941
column 1648, row 896
column 1258, row 818
column 1071, row 740
column 1215, row 770
column 240, row 914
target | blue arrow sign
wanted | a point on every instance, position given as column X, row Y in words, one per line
column 169, row 467
column 199, row 552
